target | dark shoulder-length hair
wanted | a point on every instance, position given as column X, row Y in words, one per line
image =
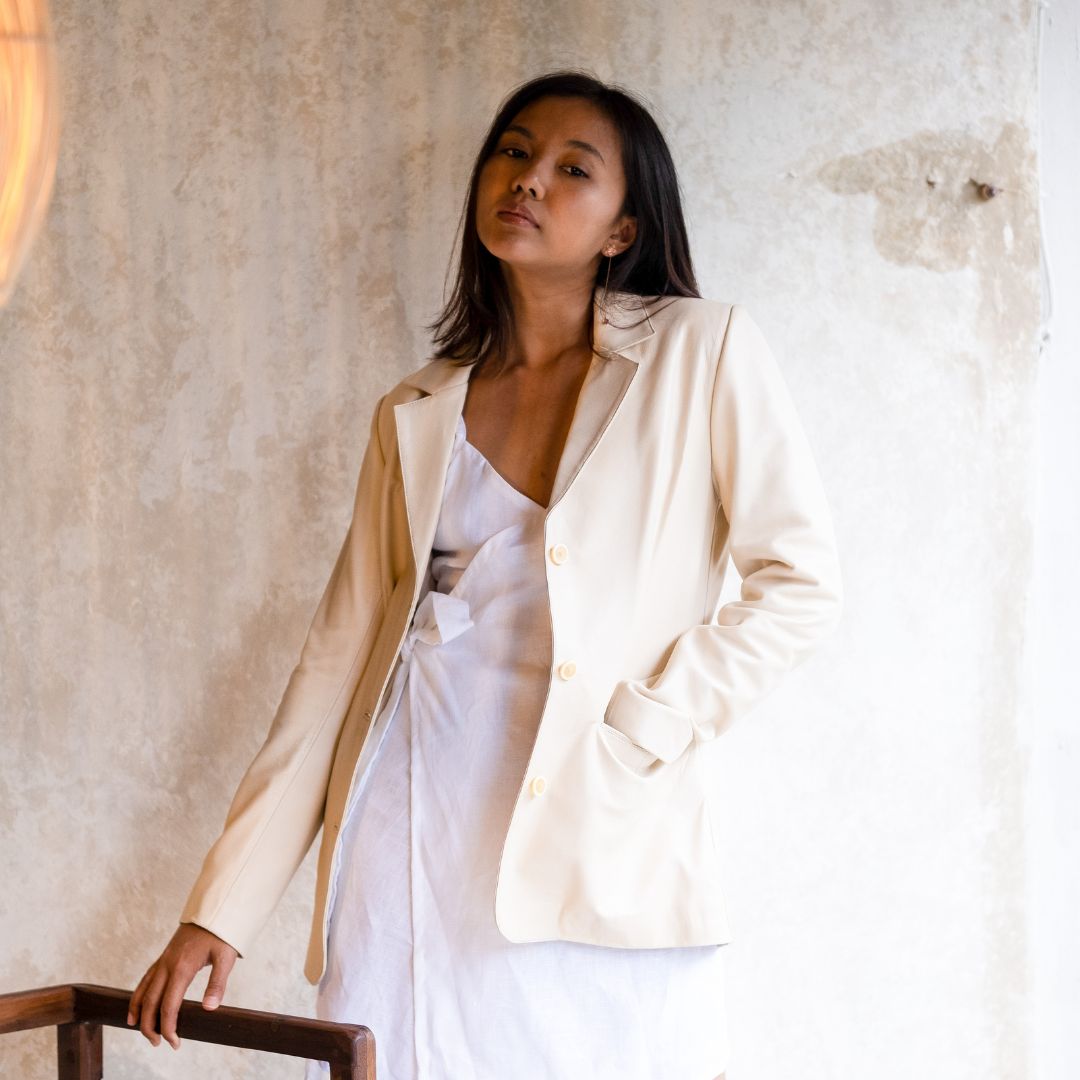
column 475, row 326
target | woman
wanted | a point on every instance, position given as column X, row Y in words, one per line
column 518, row 876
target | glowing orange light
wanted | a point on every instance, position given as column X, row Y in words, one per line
column 29, row 131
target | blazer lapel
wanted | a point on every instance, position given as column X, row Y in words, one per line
column 425, row 433
column 427, row 424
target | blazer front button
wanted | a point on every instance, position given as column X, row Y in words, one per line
column 558, row 553
column 537, row 786
column 567, row 669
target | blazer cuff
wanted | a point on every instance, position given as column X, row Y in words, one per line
column 223, row 932
column 657, row 727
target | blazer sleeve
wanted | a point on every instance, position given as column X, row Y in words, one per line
column 782, row 542
column 278, row 806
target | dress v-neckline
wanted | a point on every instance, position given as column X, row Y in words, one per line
column 520, row 494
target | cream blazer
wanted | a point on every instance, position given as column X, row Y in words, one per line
column 684, row 450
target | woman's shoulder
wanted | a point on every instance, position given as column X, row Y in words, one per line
column 699, row 312
column 430, row 376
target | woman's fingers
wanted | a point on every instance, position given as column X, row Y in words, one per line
column 135, row 1004
column 175, row 988
column 150, row 1005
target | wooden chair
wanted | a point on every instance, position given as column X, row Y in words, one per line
column 80, row 1009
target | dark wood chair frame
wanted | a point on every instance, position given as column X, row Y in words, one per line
column 80, row 1010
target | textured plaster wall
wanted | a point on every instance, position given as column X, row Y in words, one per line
column 253, row 217
column 1053, row 795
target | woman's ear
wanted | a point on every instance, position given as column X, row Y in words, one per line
column 626, row 233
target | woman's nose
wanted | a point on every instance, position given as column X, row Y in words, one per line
column 530, row 182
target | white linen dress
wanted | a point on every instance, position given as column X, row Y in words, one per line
column 414, row 952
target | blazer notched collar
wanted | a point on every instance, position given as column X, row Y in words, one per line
column 426, row 425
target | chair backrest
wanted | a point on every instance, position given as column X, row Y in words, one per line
column 79, row 1011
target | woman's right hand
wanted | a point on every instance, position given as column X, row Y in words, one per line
column 168, row 977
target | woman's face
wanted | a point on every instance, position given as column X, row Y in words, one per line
column 543, row 163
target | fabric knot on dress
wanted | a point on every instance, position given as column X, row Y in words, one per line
column 440, row 617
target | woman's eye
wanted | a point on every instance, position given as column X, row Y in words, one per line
column 512, row 150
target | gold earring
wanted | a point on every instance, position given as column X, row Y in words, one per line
column 603, row 299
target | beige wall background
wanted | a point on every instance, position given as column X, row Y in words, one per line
column 253, row 217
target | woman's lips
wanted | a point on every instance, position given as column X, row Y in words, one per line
column 516, row 219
